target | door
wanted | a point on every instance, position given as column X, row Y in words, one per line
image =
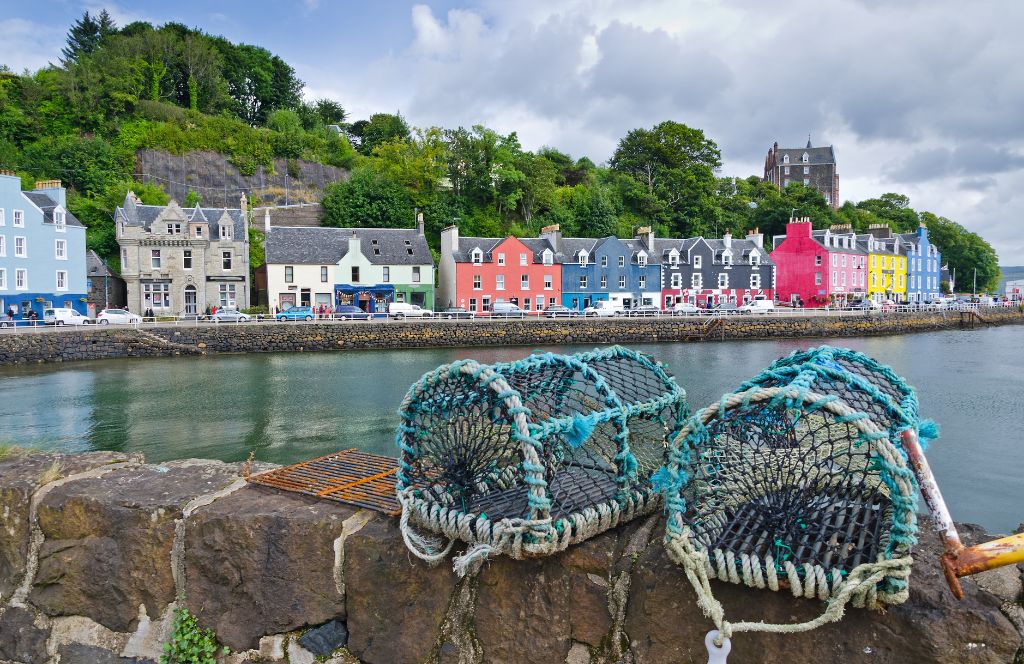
column 191, row 302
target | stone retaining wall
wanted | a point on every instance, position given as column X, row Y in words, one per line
column 103, row 343
column 97, row 549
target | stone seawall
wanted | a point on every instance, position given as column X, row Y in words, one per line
column 96, row 551
column 104, row 343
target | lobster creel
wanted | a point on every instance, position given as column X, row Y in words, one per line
column 525, row 458
column 797, row 480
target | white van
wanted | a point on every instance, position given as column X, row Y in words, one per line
column 404, row 309
column 62, row 316
column 604, row 308
column 760, row 304
column 507, row 310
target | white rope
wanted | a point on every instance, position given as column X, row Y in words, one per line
column 424, row 547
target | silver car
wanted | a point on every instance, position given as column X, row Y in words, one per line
column 117, row 317
column 230, row 316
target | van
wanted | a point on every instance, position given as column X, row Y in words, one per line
column 507, row 310
column 404, row 309
column 760, row 304
column 604, row 308
column 62, row 316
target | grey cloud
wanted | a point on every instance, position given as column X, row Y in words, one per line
column 977, row 184
column 970, row 160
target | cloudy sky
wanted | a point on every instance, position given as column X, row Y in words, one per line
column 922, row 97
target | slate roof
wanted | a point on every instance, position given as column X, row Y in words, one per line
column 94, row 265
column 315, row 245
column 889, row 245
column 48, row 205
column 133, row 214
column 815, row 156
column 857, row 248
column 741, row 250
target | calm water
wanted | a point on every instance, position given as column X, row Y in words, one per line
column 292, row 407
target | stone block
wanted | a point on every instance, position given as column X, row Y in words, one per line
column 108, row 540
column 325, row 639
column 21, row 640
column 261, row 562
column 76, row 653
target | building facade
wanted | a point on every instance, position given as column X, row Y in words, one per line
column 183, row 261
column 107, row 289
column 476, row 272
column 42, row 249
column 819, row 268
column 887, row 264
column 924, row 266
column 706, row 272
column 814, row 167
column 365, row 267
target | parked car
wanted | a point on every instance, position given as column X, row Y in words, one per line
column 350, row 312
column 118, row 317
column 404, row 309
column 604, row 308
column 230, row 316
column 725, row 309
column 685, row 309
column 64, row 316
column 560, row 311
column 457, row 313
column 296, row 313
column 644, row 310
column 864, row 305
column 760, row 304
column 507, row 310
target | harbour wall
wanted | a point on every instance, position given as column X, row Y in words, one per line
column 98, row 550
column 170, row 340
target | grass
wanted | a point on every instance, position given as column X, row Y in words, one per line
column 11, row 451
column 51, row 474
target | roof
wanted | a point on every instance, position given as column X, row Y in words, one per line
column 48, row 205
column 94, row 265
column 824, row 155
column 135, row 214
column 819, row 235
column 316, row 245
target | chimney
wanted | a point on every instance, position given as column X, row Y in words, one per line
column 646, row 235
column 553, row 234
column 841, row 228
column 798, row 227
column 880, row 230
column 266, row 220
column 727, row 239
column 54, row 190
column 450, row 240
column 243, row 205
column 757, row 237
column 354, row 244
column 419, row 223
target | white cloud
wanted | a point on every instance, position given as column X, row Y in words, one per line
column 29, row 45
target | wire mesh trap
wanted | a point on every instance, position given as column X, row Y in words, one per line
column 797, row 480
column 525, row 458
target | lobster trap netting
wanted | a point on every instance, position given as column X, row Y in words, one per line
column 798, row 480
column 528, row 457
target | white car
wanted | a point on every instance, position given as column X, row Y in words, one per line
column 404, row 309
column 118, row 317
column 64, row 316
column 685, row 309
column 604, row 308
column 759, row 305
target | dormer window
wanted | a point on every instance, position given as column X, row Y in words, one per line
column 477, row 256
column 755, row 258
column 59, row 221
column 785, row 159
column 727, row 257
column 697, row 260
column 673, row 258
column 805, row 158
column 583, row 258
column 225, row 232
column 641, row 259
column 501, row 259
column 547, row 257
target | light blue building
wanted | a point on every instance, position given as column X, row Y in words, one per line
column 924, row 265
column 42, row 249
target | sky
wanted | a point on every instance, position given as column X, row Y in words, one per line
column 920, row 97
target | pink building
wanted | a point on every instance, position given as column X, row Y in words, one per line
column 819, row 267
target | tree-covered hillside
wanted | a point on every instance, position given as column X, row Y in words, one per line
column 173, row 88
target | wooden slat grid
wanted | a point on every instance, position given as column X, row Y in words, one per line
column 350, row 476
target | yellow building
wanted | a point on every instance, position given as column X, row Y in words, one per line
column 887, row 264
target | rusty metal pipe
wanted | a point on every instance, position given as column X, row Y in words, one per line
column 957, row 560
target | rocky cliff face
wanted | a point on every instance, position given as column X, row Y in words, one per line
column 97, row 549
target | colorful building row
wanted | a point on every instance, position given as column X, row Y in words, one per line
column 537, row 273
column 836, row 266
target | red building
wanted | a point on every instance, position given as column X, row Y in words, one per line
column 818, row 267
column 476, row 272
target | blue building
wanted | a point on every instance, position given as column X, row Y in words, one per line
column 42, row 249
column 924, row 265
column 626, row 272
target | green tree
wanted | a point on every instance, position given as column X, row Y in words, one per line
column 964, row 252
column 418, row 163
column 288, row 139
column 86, row 34
column 379, row 129
column 892, row 209
column 368, row 199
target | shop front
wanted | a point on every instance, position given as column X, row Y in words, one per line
column 371, row 299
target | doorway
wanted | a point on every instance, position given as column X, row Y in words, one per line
column 191, row 301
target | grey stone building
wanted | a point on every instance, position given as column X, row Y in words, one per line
column 107, row 290
column 814, row 167
column 181, row 261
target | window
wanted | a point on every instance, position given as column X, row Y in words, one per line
column 3, row 279
column 583, row 258
column 604, row 261
column 3, row 246
column 386, row 274
column 154, row 259
column 873, row 261
column 20, row 250
column 485, row 304
column 673, row 258
column 227, row 295
column 225, row 232
column 622, row 281
column 472, row 304
column 124, row 259
column 522, row 259
column 817, row 260
column 622, row 261
column 696, row 280
column 499, row 282
column 874, row 280
column 416, row 274
column 478, row 257
column 697, row 260
column 806, row 182
column 501, row 259
column 477, row 282
column 604, row 281
column 199, row 231
column 807, row 169
column 641, row 260
column 225, row 260
column 157, row 296
column 19, row 218
column 755, row 281
column 755, row 258
column 804, row 158
column 843, row 278
column 583, row 282
column 289, row 274
column 785, row 159
column 786, row 170
column 21, row 279
column 677, row 280
column 174, row 229
column 355, row 273
column 551, row 302
column 547, row 282
column 186, row 259
column 60, row 248
column 835, row 278
column 643, row 281
column 60, row 221
column 323, row 274
column 2, row 221
column 844, row 260
column 723, row 280
column 726, row 258
column 817, row 278
column 62, row 280
column 526, row 304
column 547, row 257
column 524, row 282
